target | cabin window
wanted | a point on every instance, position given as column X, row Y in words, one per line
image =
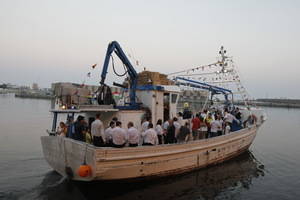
column 174, row 98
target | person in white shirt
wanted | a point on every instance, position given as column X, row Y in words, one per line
column 159, row 131
column 227, row 128
column 214, row 127
column 180, row 119
column 108, row 133
column 133, row 135
column 150, row 136
column 97, row 131
column 220, row 129
column 119, row 136
column 145, row 124
column 177, row 126
column 229, row 118
column 166, row 125
column 204, row 114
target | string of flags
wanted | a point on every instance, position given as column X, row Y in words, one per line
column 90, row 73
column 197, row 68
column 135, row 60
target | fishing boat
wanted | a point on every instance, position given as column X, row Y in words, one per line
column 156, row 96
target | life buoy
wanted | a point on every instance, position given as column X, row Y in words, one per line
column 84, row 170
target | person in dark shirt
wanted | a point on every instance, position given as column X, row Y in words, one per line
column 184, row 131
column 80, row 128
column 238, row 114
column 170, row 138
column 71, row 127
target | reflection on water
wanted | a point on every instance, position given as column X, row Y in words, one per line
column 202, row 184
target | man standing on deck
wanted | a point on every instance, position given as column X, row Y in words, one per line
column 177, row 126
column 170, row 137
column 145, row 124
column 228, row 117
column 150, row 136
column 108, row 133
column 119, row 136
column 97, row 131
column 195, row 127
column 71, row 127
column 215, row 126
column 80, row 127
column 133, row 135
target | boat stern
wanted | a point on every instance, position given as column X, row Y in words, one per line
column 66, row 156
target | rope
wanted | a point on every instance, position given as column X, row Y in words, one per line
column 204, row 105
column 66, row 160
column 113, row 64
column 84, row 158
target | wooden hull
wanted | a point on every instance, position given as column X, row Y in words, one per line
column 145, row 161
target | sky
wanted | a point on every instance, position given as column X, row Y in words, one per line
column 59, row 40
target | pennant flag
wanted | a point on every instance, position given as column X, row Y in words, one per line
column 116, row 95
column 94, row 65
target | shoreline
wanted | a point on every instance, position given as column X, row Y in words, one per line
column 34, row 96
column 271, row 104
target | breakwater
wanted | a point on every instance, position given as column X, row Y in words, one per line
column 33, row 96
column 281, row 103
column 28, row 93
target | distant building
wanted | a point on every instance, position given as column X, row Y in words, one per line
column 35, row 86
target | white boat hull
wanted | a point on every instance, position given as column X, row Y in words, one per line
column 144, row 161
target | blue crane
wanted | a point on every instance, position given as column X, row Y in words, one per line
column 114, row 47
column 197, row 84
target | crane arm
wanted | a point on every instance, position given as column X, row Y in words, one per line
column 114, row 46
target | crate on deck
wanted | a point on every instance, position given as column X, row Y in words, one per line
column 153, row 78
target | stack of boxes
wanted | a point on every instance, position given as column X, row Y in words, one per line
column 153, row 78
column 72, row 94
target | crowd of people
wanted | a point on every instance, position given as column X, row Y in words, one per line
column 206, row 124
